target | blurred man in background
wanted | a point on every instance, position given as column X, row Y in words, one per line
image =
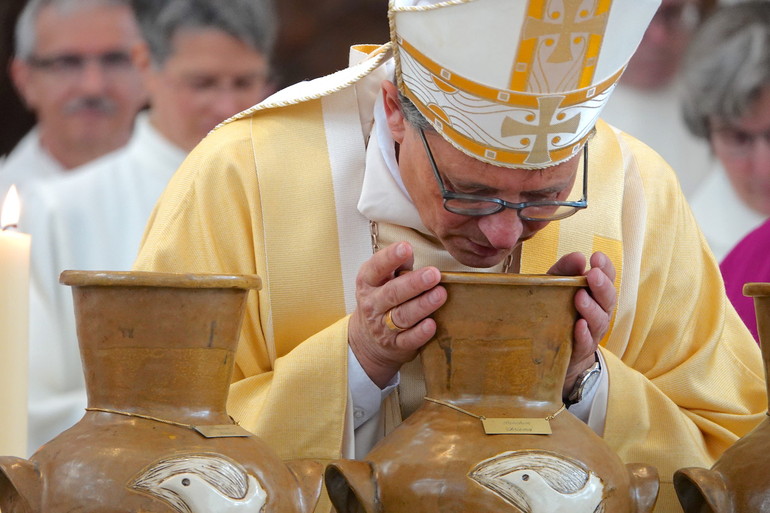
column 76, row 67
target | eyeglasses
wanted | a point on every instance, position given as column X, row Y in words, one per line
column 473, row 205
column 736, row 142
column 70, row 65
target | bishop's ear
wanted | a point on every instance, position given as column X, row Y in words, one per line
column 396, row 120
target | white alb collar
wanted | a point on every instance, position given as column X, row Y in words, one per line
column 384, row 197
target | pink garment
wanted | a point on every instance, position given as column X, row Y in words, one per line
column 748, row 261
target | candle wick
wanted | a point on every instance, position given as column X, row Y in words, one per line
column 10, row 227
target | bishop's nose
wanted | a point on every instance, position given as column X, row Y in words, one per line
column 503, row 229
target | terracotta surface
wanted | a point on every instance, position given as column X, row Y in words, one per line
column 501, row 351
column 740, row 480
column 158, row 352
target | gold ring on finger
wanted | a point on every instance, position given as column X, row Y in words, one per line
column 392, row 326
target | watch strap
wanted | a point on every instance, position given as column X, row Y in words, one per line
column 585, row 382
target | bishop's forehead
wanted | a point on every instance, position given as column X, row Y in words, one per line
column 515, row 83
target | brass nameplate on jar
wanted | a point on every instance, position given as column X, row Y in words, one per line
column 222, row 431
column 516, row 426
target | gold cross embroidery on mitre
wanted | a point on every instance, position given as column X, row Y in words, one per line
column 543, row 130
column 572, row 20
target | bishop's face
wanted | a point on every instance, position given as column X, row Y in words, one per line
column 475, row 241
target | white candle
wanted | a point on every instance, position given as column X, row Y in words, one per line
column 14, row 315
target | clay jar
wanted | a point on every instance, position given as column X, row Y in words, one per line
column 739, row 481
column 501, row 351
column 158, row 352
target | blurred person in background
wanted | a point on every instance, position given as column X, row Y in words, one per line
column 728, row 75
column 75, row 66
column 646, row 102
column 209, row 60
column 726, row 102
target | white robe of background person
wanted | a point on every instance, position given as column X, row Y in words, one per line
column 722, row 215
column 655, row 118
column 92, row 219
column 28, row 161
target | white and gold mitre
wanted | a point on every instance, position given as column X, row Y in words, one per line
column 515, row 83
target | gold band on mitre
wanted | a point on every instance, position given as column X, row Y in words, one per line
column 515, row 83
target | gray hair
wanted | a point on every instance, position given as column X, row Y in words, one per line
column 727, row 64
column 26, row 26
column 412, row 114
column 251, row 21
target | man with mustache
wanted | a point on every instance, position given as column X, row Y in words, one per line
column 75, row 67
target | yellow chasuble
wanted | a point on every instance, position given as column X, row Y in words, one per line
column 273, row 192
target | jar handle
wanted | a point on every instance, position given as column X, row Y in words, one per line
column 20, row 486
column 700, row 488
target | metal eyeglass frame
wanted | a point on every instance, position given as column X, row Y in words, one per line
column 502, row 204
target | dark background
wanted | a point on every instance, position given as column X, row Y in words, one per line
column 15, row 119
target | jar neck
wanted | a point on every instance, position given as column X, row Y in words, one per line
column 497, row 372
column 186, row 383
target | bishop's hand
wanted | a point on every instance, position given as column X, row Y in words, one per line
column 390, row 323
column 594, row 305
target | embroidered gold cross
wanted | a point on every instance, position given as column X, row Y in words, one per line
column 564, row 27
column 542, row 131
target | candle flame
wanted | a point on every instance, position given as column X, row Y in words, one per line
column 11, row 209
